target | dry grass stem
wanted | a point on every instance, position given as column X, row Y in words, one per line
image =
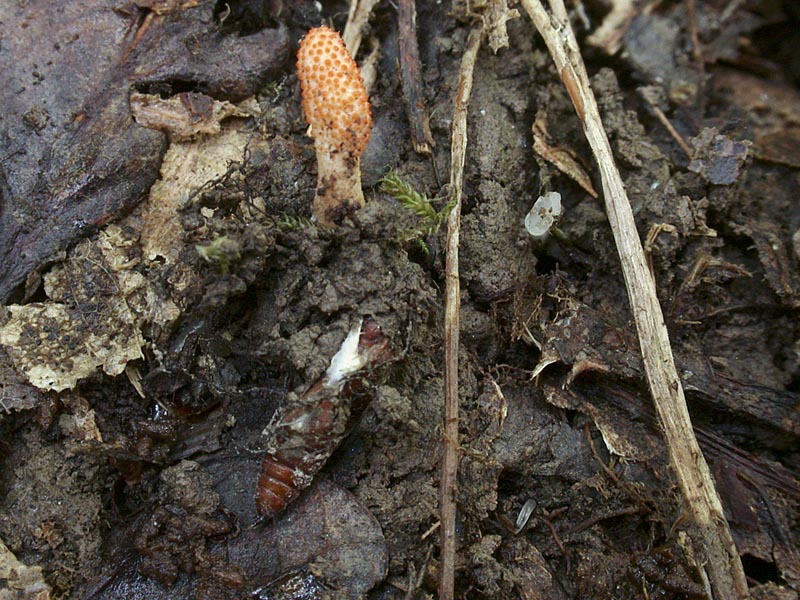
column 668, row 126
column 452, row 301
column 369, row 66
column 357, row 19
column 711, row 535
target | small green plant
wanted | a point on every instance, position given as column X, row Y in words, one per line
column 431, row 220
column 286, row 222
column 221, row 251
column 273, row 89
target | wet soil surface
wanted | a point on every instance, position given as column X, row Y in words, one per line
column 164, row 295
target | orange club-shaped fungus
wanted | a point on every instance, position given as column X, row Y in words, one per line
column 336, row 107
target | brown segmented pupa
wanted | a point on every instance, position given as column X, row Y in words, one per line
column 336, row 106
column 304, row 433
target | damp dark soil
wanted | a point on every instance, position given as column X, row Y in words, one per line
column 164, row 292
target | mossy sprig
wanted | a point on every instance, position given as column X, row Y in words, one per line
column 431, row 220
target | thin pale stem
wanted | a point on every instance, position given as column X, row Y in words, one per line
column 452, row 304
column 712, row 536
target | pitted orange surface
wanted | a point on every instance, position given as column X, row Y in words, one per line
column 335, row 101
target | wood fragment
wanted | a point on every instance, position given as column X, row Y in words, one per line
column 611, row 31
column 450, row 456
column 357, row 19
column 711, row 534
column 411, row 78
column 495, row 17
column 369, row 66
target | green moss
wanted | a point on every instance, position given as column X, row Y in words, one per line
column 222, row 252
column 430, row 220
column 289, row 222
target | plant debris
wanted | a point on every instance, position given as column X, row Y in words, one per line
column 192, row 300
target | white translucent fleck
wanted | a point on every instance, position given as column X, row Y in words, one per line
column 347, row 360
column 543, row 215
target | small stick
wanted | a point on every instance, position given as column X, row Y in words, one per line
column 668, row 126
column 357, row 19
column 452, row 299
column 369, row 66
column 712, row 535
column 411, row 78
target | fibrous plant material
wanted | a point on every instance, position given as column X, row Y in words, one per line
column 452, row 305
column 357, row 20
column 336, row 107
column 305, row 432
column 411, row 78
column 712, row 538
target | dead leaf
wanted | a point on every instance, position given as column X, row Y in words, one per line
column 19, row 581
column 187, row 167
column 97, row 305
column 327, row 533
column 15, row 392
column 88, row 161
column 187, row 115
column 563, row 158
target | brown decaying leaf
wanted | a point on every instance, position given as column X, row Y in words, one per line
column 563, row 158
column 89, row 162
column 189, row 114
column 328, row 533
column 15, row 392
column 19, row 580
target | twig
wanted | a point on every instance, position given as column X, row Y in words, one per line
column 728, row 11
column 411, row 78
column 712, row 536
column 452, row 299
column 667, row 125
column 369, row 66
column 357, row 18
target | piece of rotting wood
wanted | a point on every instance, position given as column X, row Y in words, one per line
column 452, row 304
column 411, row 78
column 711, row 536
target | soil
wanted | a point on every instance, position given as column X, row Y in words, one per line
column 163, row 296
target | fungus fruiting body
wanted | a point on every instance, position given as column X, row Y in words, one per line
column 336, row 107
